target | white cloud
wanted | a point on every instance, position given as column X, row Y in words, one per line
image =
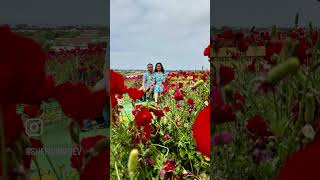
column 167, row 29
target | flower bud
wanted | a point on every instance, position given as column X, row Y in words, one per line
column 133, row 162
column 310, row 106
column 276, row 74
column 198, row 83
column 228, row 93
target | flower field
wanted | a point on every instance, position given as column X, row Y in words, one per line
column 165, row 140
column 266, row 109
column 56, row 91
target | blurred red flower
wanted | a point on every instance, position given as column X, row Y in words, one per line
column 303, row 164
column 22, row 69
column 13, row 125
column 78, row 102
column 97, row 167
column 32, row 110
column 257, row 126
column 135, row 93
column 201, row 131
column 116, row 83
column 227, row 75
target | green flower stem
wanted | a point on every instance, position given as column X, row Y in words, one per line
column 53, row 168
column 117, row 171
column 4, row 167
column 162, row 147
column 38, row 167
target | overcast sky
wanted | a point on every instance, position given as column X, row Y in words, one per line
column 56, row 12
column 173, row 32
column 263, row 13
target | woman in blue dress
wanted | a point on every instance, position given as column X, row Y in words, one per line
column 160, row 76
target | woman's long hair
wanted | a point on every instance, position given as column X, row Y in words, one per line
column 155, row 68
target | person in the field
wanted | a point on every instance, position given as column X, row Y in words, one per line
column 160, row 76
column 103, row 120
column 148, row 81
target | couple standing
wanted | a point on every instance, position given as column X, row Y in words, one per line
column 152, row 81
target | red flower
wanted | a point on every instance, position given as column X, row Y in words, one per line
column 257, row 126
column 243, row 45
column 78, row 102
column 136, row 109
column 227, row 34
column 302, row 164
column 158, row 113
column 117, row 83
column 222, row 113
column 135, row 93
column 227, row 75
column 178, row 96
column 13, row 125
column 195, row 77
column 302, row 52
column 190, row 101
column 252, row 66
column 166, row 108
column 32, row 110
column 169, row 165
column 207, row 51
column 96, row 168
column 22, row 69
column 201, row 131
column 143, row 117
column 271, row 49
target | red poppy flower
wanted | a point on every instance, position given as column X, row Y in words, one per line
column 302, row 164
column 190, row 101
column 158, row 113
column 195, row 77
column 178, row 96
column 143, row 135
column 207, row 51
column 166, row 108
column 32, row 110
column 136, row 109
column 271, row 49
column 13, row 125
column 117, row 83
column 227, row 34
column 302, row 52
column 78, row 102
column 201, row 131
column 227, row 75
column 135, row 93
column 96, row 168
column 22, row 68
column 257, row 126
column 243, row 45
column 222, row 113
column 143, row 117
column 169, row 165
